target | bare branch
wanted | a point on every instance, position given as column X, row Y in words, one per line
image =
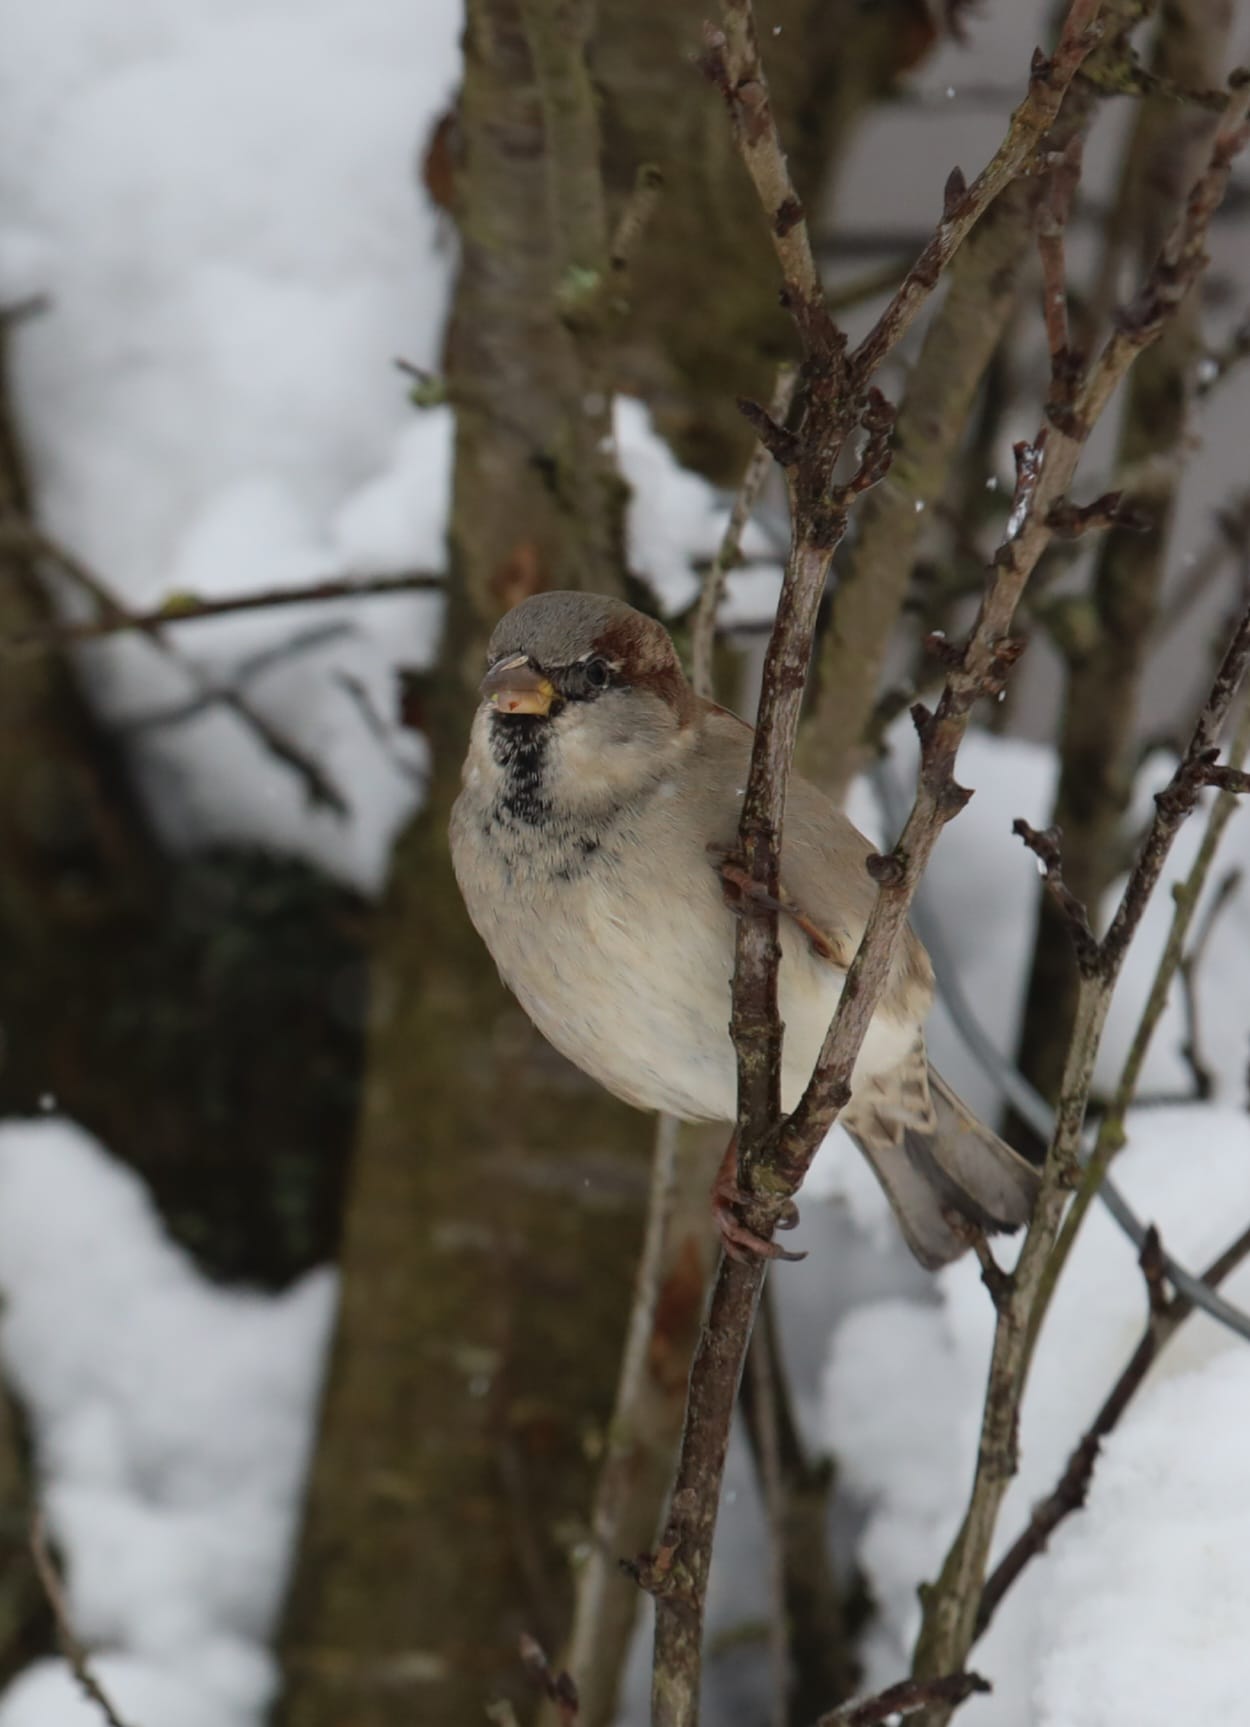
column 766, row 1447
column 774, row 1155
column 1070, row 521
column 732, row 62
column 558, row 1688
column 1048, row 83
column 635, row 217
column 321, row 790
column 1062, row 176
column 816, row 1606
column 1033, row 1108
column 1046, row 848
column 71, row 1648
column 729, row 550
column 908, row 1697
column 645, row 1425
column 950, row 1607
column 1188, row 970
column 1186, row 895
column 183, row 608
column 1166, row 1316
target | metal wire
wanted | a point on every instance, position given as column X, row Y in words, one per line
column 1028, row 1103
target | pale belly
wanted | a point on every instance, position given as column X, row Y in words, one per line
column 636, row 991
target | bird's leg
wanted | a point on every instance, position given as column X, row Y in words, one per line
column 741, row 1243
column 743, row 893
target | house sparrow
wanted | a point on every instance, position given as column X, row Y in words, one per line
column 600, row 799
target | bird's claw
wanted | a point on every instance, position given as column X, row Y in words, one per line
column 743, row 896
column 740, row 1242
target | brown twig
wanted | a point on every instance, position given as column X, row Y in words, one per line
column 558, row 1688
column 73, row 1651
column 1049, row 79
column 908, row 1697
column 774, row 1156
column 765, row 1445
column 635, row 217
column 1108, row 647
column 1072, row 521
column 677, row 1572
column 1045, row 847
column 950, row 1606
column 949, row 1624
column 728, row 552
column 818, row 1610
column 1191, row 1051
column 1062, row 177
column 191, row 608
column 111, row 614
column 1166, row 1315
column 645, row 1425
column 1169, row 810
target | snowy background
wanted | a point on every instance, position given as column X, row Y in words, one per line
column 221, row 204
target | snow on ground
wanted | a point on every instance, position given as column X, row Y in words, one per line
column 172, row 1420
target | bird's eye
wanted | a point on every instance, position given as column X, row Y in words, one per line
column 597, row 673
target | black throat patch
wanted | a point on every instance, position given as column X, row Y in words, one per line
column 519, row 747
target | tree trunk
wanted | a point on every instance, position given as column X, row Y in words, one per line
column 496, row 1208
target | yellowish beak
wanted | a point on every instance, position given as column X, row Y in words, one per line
column 517, row 687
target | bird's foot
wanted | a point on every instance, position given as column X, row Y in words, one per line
column 743, row 894
column 739, row 1241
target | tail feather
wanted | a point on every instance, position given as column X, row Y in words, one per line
column 956, row 1170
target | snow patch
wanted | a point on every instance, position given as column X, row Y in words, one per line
column 172, row 1421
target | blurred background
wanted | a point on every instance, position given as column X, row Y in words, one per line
column 329, row 332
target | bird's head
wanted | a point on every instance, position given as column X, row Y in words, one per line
column 589, row 684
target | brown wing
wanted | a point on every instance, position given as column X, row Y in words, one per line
column 944, row 1172
column 826, row 887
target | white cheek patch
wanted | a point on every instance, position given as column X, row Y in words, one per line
column 606, row 757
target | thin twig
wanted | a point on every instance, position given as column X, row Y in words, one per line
column 641, row 1435
column 1110, row 628
column 71, row 1648
column 765, row 1444
column 1061, row 184
column 558, row 1688
column 678, row 1571
column 773, row 1157
column 817, row 1607
column 321, row 790
column 950, row 1606
column 1049, row 79
column 1029, row 1103
column 1191, row 1051
column 190, row 608
column 908, row 1697
column 1111, row 1130
column 728, row 552
column 1069, row 1493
